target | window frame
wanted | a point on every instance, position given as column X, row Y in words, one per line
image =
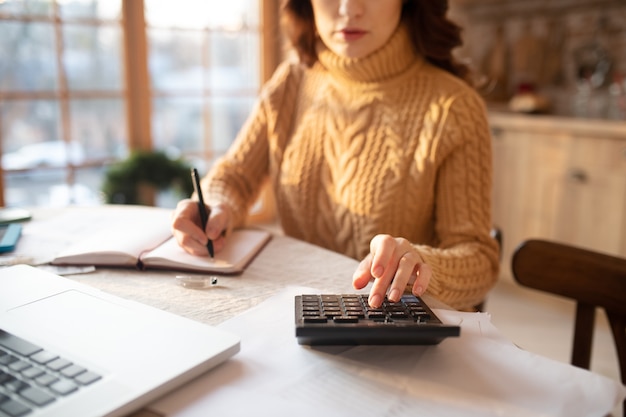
column 136, row 89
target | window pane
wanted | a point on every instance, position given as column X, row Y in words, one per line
column 49, row 187
column 227, row 117
column 31, row 188
column 27, row 59
column 177, row 124
column 99, row 126
column 88, row 186
column 203, row 60
column 92, row 57
column 194, row 14
column 46, row 154
column 234, row 61
column 90, row 9
column 175, row 60
column 209, row 56
column 28, row 123
column 26, row 7
column 234, row 14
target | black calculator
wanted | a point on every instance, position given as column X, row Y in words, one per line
column 347, row 319
column 9, row 236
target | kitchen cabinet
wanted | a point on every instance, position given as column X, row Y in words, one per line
column 561, row 179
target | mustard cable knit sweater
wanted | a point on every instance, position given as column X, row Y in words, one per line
column 385, row 144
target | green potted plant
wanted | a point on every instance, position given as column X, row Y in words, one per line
column 138, row 178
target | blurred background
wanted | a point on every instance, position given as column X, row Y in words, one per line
column 85, row 82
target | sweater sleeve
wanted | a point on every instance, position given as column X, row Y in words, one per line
column 236, row 178
column 465, row 262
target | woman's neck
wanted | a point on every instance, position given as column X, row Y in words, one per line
column 395, row 57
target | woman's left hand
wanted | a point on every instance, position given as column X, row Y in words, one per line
column 393, row 262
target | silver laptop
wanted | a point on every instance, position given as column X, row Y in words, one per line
column 67, row 349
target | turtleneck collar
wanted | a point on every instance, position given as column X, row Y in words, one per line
column 395, row 57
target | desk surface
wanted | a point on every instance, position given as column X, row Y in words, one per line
column 443, row 378
column 284, row 261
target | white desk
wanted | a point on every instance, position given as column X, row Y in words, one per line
column 474, row 373
column 283, row 261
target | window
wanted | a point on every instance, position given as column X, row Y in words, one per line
column 204, row 67
column 83, row 82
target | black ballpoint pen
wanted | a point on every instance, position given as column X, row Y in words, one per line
column 204, row 214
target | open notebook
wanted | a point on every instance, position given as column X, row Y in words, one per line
column 67, row 349
column 141, row 237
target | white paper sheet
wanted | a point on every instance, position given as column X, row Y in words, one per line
column 478, row 374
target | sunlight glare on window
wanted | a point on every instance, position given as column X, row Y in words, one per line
column 26, row 7
column 95, row 9
column 204, row 59
column 230, row 15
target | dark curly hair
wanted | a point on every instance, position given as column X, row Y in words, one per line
column 434, row 36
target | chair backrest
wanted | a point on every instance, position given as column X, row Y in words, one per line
column 590, row 278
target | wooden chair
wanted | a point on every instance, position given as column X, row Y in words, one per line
column 590, row 278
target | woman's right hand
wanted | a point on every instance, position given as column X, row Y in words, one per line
column 188, row 232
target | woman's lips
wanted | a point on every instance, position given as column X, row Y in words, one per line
column 351, row 34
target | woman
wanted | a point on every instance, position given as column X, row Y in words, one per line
column 375, row 146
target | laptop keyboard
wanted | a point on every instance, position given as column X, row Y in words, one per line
column 31, row 377
column 347, row 319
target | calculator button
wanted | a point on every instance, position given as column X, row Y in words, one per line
column 315, row 319
column 346, row 319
